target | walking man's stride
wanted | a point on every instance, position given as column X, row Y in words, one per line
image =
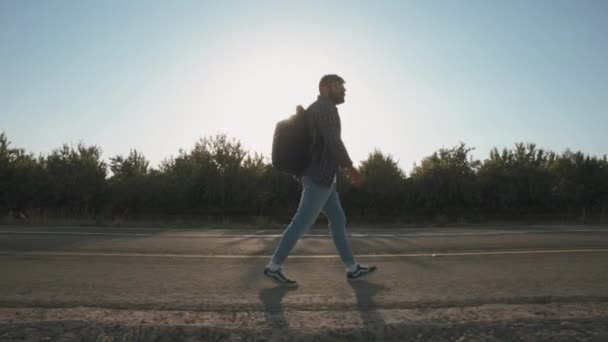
column 319, row 193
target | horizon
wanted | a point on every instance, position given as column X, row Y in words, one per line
column 420, row 76
column 267, row 158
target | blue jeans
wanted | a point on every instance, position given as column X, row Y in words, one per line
column 316, row 198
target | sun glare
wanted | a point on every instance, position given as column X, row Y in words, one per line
column 246, row 87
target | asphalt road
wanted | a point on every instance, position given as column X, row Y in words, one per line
column 476, row 276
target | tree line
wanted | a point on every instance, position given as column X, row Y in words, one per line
column 217, row 177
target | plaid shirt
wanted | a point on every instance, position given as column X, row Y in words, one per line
column 328, row 150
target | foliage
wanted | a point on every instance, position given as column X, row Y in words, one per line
column 218, row 177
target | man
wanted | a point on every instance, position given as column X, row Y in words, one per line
column 319, row 192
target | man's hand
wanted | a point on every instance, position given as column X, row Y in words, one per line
column 355, row 177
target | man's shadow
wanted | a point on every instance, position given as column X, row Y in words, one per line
column 373, row 321
column 272, row 300
column 371, row 317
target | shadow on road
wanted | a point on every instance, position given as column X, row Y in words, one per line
column 368, row 309
column 272, row 299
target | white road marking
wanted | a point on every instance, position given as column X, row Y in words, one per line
column 25, row 232
column 321, row 256
column 353, row 234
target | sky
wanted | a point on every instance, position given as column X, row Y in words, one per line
column 157, row 76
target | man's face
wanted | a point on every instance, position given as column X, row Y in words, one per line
column 337, row 92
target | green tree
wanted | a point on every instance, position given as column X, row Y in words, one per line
column 21, row 176
column 445, row 183
column 76, row 179
column 517, row 180
column 383, row 192
column 130, row 187
column 581, row 183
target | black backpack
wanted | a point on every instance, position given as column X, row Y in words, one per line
column 291, row 144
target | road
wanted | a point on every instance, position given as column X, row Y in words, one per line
column 506, row 283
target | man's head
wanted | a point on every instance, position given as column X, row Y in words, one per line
column 332, row 86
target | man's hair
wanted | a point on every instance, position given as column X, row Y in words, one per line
column 329, row 79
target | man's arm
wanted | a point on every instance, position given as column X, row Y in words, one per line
column 329, row 127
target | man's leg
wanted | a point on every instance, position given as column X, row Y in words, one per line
column 337, row 224
column 312, row 200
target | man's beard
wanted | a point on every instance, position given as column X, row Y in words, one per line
column 336, row 98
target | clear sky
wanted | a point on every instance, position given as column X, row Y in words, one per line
column 420, row 75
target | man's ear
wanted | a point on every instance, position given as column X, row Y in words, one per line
column 323, row 89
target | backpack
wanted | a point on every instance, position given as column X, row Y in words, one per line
column 291, row 144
